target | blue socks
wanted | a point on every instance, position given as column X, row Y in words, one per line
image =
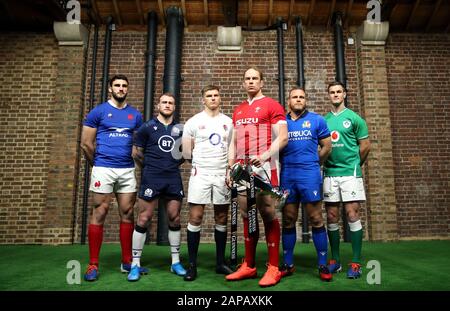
column 319, row 236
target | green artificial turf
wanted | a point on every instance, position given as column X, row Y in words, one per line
column 405, row 266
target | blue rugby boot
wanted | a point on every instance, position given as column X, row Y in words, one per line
column 334, row 266
column 134, row 274
column 178, row 269
column 126, row 268
column 354, row 271
column 91, row 274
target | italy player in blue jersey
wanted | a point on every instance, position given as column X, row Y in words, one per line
column 157, row 150
column 300, row 174
column 106, row 140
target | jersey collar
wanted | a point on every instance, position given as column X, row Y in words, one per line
column 250, row 101
column 338, row 113
column 115, row 106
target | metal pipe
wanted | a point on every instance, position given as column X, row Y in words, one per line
column 84, row 212
column 106, row 58
column 280, row 43
column 152, row 27
column 299, row 43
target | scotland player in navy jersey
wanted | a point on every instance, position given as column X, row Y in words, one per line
column 106, row 141
column 300, row 173
column 156, row 150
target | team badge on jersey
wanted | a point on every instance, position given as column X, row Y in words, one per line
column 306, row 124
column 335, row 136
column 257, row 109
column 346, row 124
column 175, row 131
column 225, row 127
column 109, row 115
column 148, row 192
column 130, row 117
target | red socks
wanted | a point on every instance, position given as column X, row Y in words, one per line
column 273, row 241
column 250, row 244
column 95, row 236
column 126, row 240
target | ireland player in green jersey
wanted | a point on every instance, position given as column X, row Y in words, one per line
column 343, row 180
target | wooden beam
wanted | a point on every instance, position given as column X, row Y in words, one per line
column 411, row 16
column 330, row 14
column 269, row 22
column 249, row 13
column 139, row 9
column 161, row 12
column 348, row 13
column 205, row 12
column 310, row 11
column 291, row 12
column 117, row 12
column 183, row 9
column 433, row 15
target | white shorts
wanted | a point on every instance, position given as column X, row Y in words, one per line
column 343, row 189
column 202, row 187
column 109, row 180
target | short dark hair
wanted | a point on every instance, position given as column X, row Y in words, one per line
column 334, row 83
column 167, row 94
column 209, row 87
column 117, row 77
column 296, row 88
column 256, row 69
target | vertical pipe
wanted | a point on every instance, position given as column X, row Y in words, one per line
column 341, row 77
column 106, row 58
column 86, row 166
column 152, row 20
column 280, row 42
column 300, row 63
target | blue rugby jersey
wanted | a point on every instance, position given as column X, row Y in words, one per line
column 114, row 140
column 300, row 158
column 162, row 152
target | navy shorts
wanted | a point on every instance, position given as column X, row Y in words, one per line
column 304, row 193
column 169, row 189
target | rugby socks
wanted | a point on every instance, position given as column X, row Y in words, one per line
column 334, row 238
column 319, row 236
column 139, row 236
column 356, row 235
column 289, row 238
column 126, row 238
column 273, row 233
column 95, row 236
column 193, row 239
column 220, row 236
column 175, row 242
column 251, row 241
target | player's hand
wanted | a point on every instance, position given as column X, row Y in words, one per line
column 228, row 180
column 257, row 161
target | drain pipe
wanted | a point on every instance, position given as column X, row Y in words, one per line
column 171, row 83
column 84, row 211
column 341, row 77
column 106, row 58
column 280, row 41
column 301, row 83
column 152, row 28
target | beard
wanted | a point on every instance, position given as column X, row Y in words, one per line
column 118, row 98
column 166, row 114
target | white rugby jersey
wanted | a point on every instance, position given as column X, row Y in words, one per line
column 211, row 140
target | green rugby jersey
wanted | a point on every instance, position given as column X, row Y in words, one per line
column 346, row 128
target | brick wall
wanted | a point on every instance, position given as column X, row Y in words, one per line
column 418, row 68
column 201, row 64
column 28, row 63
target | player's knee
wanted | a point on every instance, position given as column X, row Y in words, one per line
column 221, row 219
column 174, row 220
column 196, row 221
column 288, row 221
column 352, row 216
column 316, row 219
column 332, row 216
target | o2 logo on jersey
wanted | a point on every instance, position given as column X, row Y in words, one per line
column 335, row 136
column 215, row 139
column 166, row 143
column 346, row 124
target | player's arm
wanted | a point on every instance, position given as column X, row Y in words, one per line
column 187, row 145
column 87, row 144
column 325, row 149
column 138, row 155
column 231, row 157
column 364, row 148
column 280, row 131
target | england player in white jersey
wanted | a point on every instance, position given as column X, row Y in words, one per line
column 206, row 137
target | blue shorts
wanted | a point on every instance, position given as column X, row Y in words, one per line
column 169, row 189
column 304, row 193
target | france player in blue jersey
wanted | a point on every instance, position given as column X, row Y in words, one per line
column 157, row 150
column 106, row 140
column 300, row 174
